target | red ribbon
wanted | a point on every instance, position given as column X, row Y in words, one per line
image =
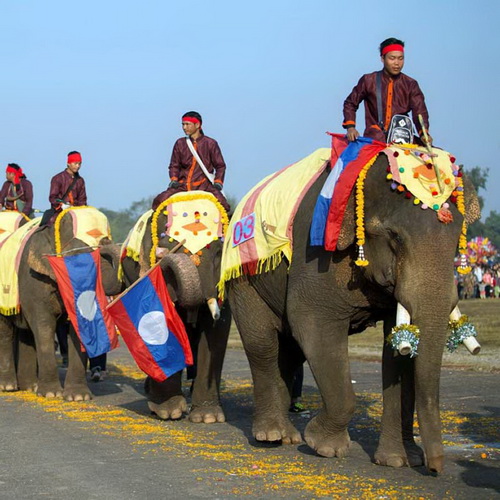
column 191, row 119
column 17, row 172
column 395, row 47
column 75, row 158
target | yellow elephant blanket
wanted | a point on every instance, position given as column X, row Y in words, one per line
column 10, row 255
column 89, row 225
column 10, row 220
column 131, row 247
column 260, row 231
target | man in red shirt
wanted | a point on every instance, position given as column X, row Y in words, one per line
column 399, row 94
column 67, row 188
column 17, row 191
column 185, row 172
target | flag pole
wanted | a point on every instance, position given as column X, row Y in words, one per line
column 429, row 150
column 118, row 297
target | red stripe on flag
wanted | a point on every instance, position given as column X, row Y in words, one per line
column 141, row 354
column 103, row 302
column 65, row 289
column 343, row 190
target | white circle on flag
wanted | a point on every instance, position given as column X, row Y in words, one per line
column 153, row 328
column 86, row 304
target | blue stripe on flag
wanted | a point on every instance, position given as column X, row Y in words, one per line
column 82, row 273
column 141, row 301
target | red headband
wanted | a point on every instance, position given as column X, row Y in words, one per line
column 393, row 48
column 75, row 158
column 17, row 172
column 191, row 119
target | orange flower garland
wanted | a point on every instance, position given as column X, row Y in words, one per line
column 360, row 213
column 462, row 241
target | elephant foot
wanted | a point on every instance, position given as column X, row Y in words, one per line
column 272, row 429
column 49, row 391
column 326, row 443
column 414, row 453
column 8, row 385
column 28, row 386
column 207, row 414
column 77, row 393
column 435, row 465
column 409, row 454
column 172, row 409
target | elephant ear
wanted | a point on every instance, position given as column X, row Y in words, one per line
column 348, row 230
column 472, row 207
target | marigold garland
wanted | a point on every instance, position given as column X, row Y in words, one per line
column 360, row 213
column 462, row 241
column 57, row 226
column 186, row 197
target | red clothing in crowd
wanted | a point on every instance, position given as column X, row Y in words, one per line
column 400, row 95
column 60, row 183
column 11, row 194
column 184, row 169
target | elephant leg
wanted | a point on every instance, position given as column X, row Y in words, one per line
column 397, row 447
column 8, row 379
column 26, row 361
column 325, row 345
column 260, row 340
column 43, row 326
column 75, row 384
column 205, row 401
column 165, row 398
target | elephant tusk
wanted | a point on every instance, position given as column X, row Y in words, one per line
column 214, row 308
column 402, row 318
column 472, row 345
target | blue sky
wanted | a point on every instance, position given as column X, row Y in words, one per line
column 112, row 79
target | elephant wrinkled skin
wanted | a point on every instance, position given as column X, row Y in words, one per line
column 191, row 283
column 325, row 297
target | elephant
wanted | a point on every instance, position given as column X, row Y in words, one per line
column 311, row 307
column 192, row 284
column 41, row 306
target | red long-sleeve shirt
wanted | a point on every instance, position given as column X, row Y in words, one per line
column 60, row 183
column 184, row 168
column 23, row 193
column 400, row 96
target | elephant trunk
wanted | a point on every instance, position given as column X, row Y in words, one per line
column 183, row 277
column 110, row 257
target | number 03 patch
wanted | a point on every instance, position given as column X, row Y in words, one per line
column 244, row 229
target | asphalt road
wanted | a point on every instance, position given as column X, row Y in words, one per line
column 111, row 448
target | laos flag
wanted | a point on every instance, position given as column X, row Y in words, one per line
column 80, row 285
column 151, row 328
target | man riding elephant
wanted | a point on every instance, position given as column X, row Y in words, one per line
column 196, row 163
column 17, row 191
column 386, row 93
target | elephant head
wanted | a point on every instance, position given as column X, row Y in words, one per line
column 411, row 263
column 191, row 278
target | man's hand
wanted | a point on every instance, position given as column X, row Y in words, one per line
column 174, row 184
column 64, row 206
column 352, row 134
column 218, row 186
column 428, row 140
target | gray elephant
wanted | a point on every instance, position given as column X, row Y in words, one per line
column 41, row 306
column 191, row 278
column 323, row 297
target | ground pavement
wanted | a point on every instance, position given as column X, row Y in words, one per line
column 112, row 448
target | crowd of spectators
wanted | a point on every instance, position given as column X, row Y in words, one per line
column 482, row 283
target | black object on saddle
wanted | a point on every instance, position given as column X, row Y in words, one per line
column 400, row 130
